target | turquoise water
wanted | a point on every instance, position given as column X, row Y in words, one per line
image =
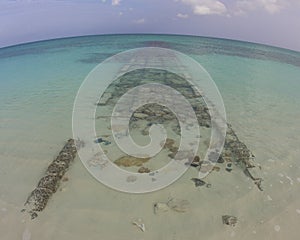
column 260, row 87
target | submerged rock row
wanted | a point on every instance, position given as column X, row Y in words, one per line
column 234, row 151
column 49, row 183
column 237, row 151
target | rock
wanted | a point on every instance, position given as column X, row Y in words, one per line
column 253, row 173
column 258, row 183
column 101, row 140
column 144, row 170
column 229, row 220
column 196, row 159
column 131, row 179
column 171, row 155
column 160, row 207
column 198, row 182
column 129, row 161
column 228, row 167
column 140, row 115
column 220, row 160
column 206, row 166
column 178, row 205
column 104, row 98
column 173, row 149
column 139, row 224
column 195, row 163
column 215, row 168
column 169, row 143
column 57, row 170
column 48, row 184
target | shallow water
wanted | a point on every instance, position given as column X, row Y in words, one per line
column 260, row 86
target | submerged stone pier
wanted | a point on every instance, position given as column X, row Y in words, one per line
column 49, row 183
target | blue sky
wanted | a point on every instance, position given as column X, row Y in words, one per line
column 273, row 22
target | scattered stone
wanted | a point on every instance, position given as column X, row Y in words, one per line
column 139, row 224
column 216, row 168
column 220, row 160
column 195, row 162
column 195, row 165
column 208, row 185
column 196, row 159
column 160, row 207
column 206, row 166
column 144, row 170
column 169, row 143
column 229, row 220
column 178, row 205
column 101, row 140
column 173, row 149
column 131, row 179
column 269, row 198
column 228, row 167
column 129, row 161
column 198, row 182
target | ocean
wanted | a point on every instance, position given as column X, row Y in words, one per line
column 260, row 87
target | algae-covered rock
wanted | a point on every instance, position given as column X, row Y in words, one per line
column 129, row 161
column 144, row 170
column 169, row 143
column 229, row 220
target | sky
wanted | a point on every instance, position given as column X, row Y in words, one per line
column 271, row 22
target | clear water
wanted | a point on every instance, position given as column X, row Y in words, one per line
column 260, row 86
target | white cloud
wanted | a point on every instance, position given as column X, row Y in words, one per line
column 139, row 21
column 180, row 15
column 115, row 2
column 270, row 6
column 206, row 7
column 273, row 6
column 237, row 7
